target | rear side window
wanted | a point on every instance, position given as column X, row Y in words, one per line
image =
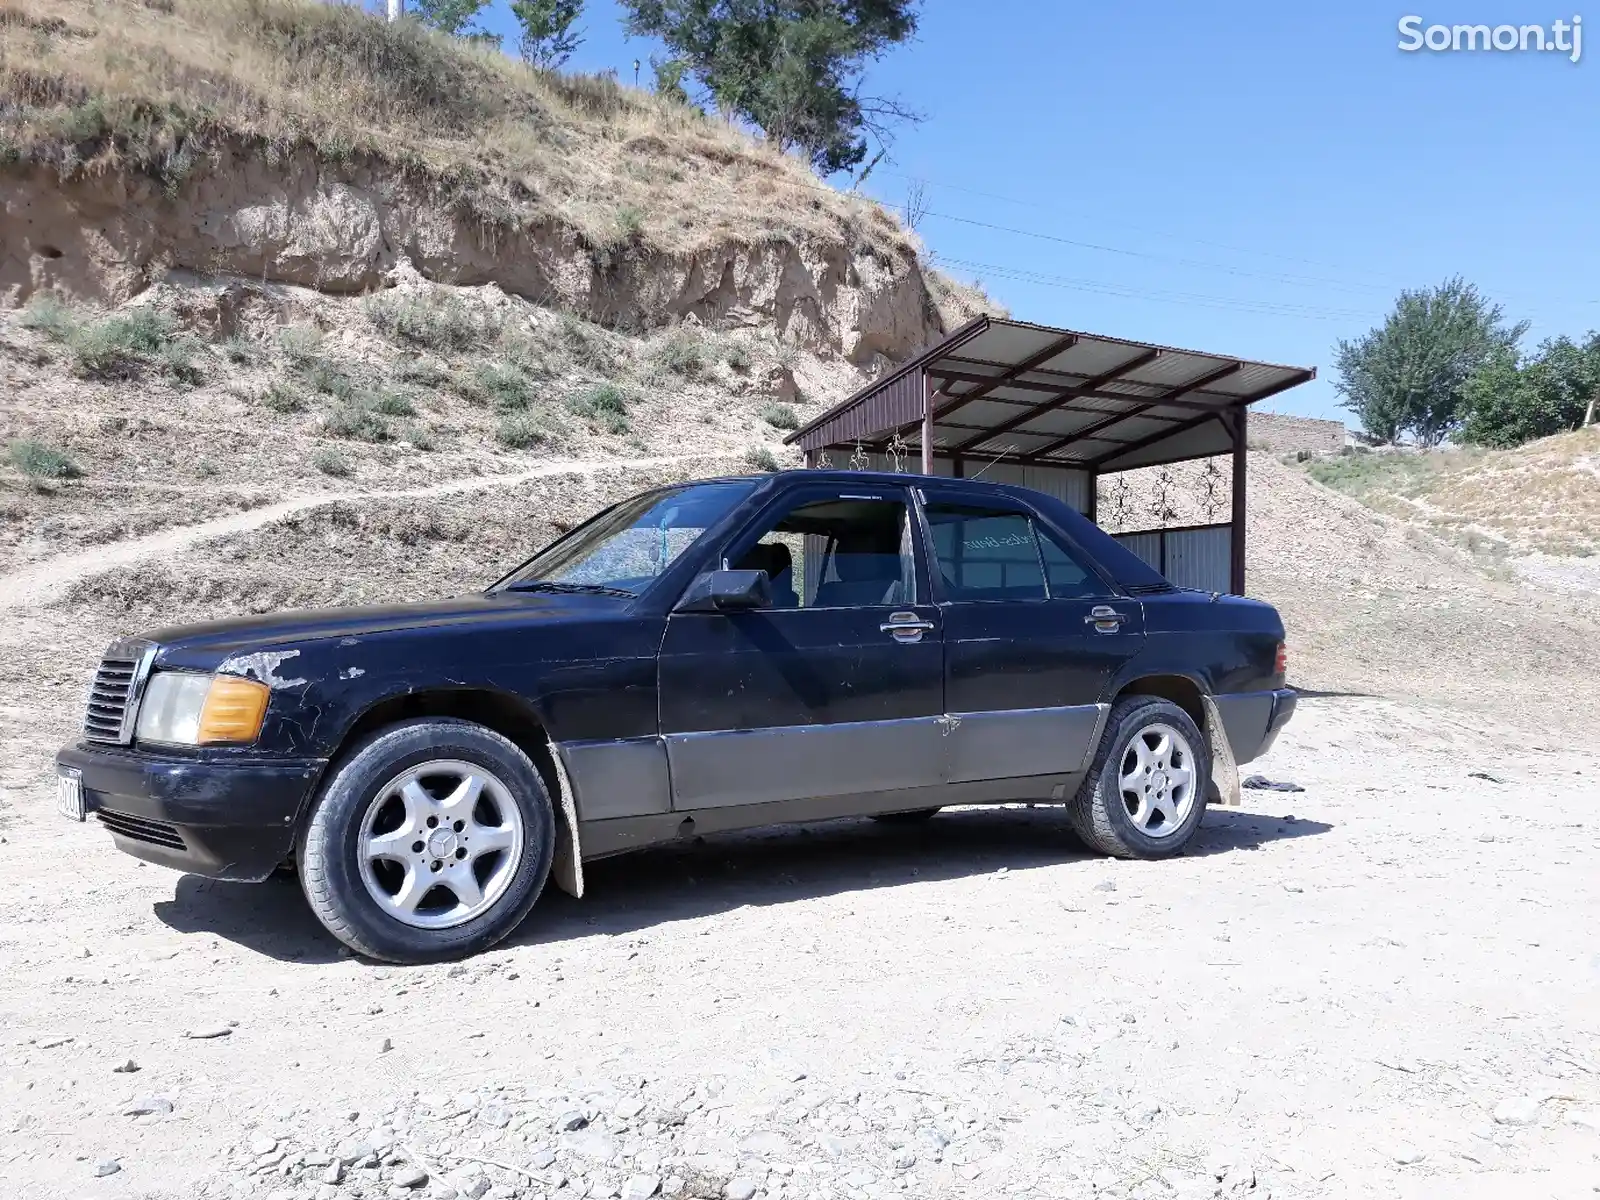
column 1068, row 578
column 986, row 553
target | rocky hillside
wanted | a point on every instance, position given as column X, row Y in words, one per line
column 256, row 248
column 289, row 141
column 1533, row 511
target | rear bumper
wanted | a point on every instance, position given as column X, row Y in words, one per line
column 227, row 818
column 1252, row 720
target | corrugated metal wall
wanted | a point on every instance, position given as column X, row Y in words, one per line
column 1063, row 483
column 1192, row 558
column 1201, row 558
column 1146, row 545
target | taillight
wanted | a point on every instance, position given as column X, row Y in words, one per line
column 1280, row 662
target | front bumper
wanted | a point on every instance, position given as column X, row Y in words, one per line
column 226, row 817
column 1252, row 720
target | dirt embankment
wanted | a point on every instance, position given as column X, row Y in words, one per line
column 343, row 228
column 308, row 144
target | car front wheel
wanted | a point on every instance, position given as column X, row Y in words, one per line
column 1145, row 793
column 431, row 841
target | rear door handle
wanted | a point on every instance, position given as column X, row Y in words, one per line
column 905, row 627
column 1105, row 619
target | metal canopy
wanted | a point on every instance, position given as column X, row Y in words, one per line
column 1033, row 395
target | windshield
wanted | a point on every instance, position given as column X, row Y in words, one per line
column 623, row 551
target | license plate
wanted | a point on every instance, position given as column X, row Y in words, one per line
column 69, row 795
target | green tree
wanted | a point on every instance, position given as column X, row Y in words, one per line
column 792, row 68
column 669, row 73
column 448, row 16
column 548, row 38
column 1509, row 402
column 1408, row 376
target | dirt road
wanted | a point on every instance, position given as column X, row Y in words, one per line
column 1388, row 985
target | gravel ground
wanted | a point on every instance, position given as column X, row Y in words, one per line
column 1385, row 985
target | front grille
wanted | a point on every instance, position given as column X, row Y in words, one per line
column 115, row 691
column 141, row 829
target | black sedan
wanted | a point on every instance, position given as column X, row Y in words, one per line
column 719, row 655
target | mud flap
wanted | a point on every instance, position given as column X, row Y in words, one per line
column 567, row 867
column 1224, row 771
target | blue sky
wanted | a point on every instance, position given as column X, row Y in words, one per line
column 1249, row 178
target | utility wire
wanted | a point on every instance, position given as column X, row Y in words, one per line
column 1123, row 291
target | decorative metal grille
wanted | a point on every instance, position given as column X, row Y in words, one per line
column 1214, row 497
column 897, row 452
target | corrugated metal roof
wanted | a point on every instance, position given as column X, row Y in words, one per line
column 1054, row 396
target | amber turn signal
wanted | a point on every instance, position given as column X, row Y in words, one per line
column 234, row 710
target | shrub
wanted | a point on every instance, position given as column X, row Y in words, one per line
column 422, row 374
column 281, row 398
column 392, row 404
column 238, row 350
column 780, row 416
column 519, row 431
column 630, row 222
column 683, row 353
column 115, row 347
column 603, row 398
column 326, row 377
column 49, row 314
column 206, row 469
column 97, row 353
column 421, row 437
column 176, row 361
column 427, row 320
column 330, row 462
column 504, row 386
column 38, row 461
column 356, row 420
column 586, row 344
column 525, row 355
column 761, row 459
column 738, row 357
column 299, row 344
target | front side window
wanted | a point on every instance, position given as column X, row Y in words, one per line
column 625, row 549
column 839, row 552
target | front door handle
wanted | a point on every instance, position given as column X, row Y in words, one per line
column 905, row 627
column 1105, row 619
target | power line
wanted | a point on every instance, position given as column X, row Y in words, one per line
column 1304, row 281
column 955, row 187
column 1191, row 299
column 1347, row 285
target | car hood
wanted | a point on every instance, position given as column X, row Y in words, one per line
column 244, row 635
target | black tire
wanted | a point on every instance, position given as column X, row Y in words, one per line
column 328, row 861
column 914, row 816
column 1099, row 814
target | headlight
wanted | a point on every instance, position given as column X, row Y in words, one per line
column 182, row 709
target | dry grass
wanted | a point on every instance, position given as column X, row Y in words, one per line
column 1544, row 496
column 93, row 85
column 281, row 408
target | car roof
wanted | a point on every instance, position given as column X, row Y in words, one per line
column 841, row 475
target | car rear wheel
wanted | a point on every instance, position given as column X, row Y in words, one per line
column 432, row 840
column 1145, row 793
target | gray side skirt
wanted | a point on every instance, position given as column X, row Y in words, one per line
column 687, row 772
column 601, row 839
column 1020, row 742
column 795, row 762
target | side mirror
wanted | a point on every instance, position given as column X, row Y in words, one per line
column 728, row 591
